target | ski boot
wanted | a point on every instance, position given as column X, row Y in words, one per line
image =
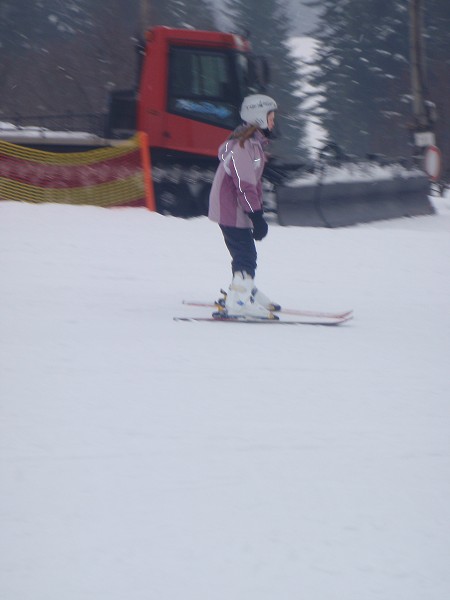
column 240, row 301
column 259, row 297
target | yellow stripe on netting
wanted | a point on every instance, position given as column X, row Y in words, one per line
column 68, row 158
column 113, row 193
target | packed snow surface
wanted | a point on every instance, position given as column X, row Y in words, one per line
column 143, row 458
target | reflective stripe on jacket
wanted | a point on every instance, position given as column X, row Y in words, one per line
column 237, row 188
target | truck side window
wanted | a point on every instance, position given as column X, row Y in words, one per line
column 202, row 86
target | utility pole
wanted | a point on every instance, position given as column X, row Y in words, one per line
column 145, row 16
column 424, row 111
column 144, row 24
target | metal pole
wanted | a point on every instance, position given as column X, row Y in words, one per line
column 417, row 63
column 424, row 111
column 145, row 10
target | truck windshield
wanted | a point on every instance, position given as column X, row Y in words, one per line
column 208, row 85
column 248, row 75
column 254, row 72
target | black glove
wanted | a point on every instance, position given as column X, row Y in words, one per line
column 260, row 227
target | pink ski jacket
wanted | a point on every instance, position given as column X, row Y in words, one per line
column 237, row 189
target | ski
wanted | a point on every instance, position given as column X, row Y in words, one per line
column 325, row 321
column 285, row 311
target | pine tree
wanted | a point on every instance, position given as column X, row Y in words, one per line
column 180, row 13
column 362, row 66
column 363, row 73
column 61, row 56
column 266, row 24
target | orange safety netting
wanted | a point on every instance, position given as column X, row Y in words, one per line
column 117, row 176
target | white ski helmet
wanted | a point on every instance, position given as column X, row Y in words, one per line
column 255, row 108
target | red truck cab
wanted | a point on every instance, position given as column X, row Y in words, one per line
column 192, row 83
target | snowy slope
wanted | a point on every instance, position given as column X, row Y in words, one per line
column 147, row 459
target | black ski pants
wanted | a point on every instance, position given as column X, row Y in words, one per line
column 241, row 246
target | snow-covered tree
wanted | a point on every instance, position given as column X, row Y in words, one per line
column 58, row 56
column 363, row 71
column 178, row 13
column 267, row 25
column 63, row 56
column 362, row 66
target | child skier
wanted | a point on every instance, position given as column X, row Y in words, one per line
column 236, row 204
